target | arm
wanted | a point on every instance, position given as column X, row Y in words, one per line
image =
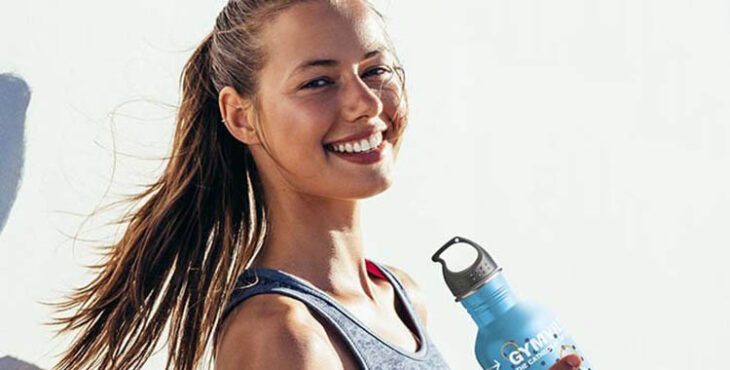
column 274, row 332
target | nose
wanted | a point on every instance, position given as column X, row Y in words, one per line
column 360, row 101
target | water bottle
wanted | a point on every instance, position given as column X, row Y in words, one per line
column 513, row 333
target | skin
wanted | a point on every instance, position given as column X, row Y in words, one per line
column 314, row 196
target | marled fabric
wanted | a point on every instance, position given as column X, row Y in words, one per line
column 369, row 350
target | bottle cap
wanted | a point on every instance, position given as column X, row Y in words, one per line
column 463, row 283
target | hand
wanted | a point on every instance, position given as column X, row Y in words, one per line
column 568, row 362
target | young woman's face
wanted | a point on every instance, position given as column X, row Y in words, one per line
column 305, row 108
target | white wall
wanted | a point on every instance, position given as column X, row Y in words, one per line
column 583, row 143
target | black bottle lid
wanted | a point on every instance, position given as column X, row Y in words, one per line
column 463, row 283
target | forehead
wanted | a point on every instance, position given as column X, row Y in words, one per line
column 341, row 30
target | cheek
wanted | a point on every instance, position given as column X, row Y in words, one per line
column 305, row 125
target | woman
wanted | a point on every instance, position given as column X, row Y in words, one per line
column 257, row 180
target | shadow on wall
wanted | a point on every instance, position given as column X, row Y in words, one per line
column 10, row 363
column 14, row 99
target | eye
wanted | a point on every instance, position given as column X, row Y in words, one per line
column 314, row 84
column 384, row 70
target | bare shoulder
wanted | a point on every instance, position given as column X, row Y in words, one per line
column 270, row 331
column 413, row 290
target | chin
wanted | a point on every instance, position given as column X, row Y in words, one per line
column 360, row 191
column 381, row 187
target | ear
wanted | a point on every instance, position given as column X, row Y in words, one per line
column 238, row 114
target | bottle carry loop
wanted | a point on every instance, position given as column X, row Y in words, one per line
column 462, row 283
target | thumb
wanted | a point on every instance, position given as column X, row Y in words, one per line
column 569, row 362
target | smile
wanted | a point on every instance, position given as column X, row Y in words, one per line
column 358, row 146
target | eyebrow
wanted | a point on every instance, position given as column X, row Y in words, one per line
column 329, row 62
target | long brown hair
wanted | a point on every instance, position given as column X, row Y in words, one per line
column 199, row 225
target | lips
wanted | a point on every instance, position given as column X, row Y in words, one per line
column 357, row 137
column 365, row 158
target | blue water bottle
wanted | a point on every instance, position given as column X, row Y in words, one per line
column 513, row 333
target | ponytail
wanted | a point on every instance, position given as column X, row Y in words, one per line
column 179, row 256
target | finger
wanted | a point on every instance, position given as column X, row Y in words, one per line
column 569, row 362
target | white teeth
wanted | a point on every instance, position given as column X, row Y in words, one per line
column 374, row 142
column 361, row 146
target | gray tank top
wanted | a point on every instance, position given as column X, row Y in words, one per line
column 369, row 350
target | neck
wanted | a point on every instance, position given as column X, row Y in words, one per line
column 320, row 241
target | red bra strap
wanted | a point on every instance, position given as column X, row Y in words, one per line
column 374, row 270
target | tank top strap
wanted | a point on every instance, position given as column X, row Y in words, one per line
column 402, row 293
column 398, row 286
